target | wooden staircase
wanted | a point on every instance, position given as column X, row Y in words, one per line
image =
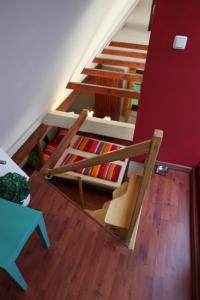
column 133, row 75
column 110, row 84
column 124, row 210
column 149, row 147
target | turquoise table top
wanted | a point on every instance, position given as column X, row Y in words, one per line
column 16, row 225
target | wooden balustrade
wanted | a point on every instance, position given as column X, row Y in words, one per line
column 65, row 141
column 130, row 151
column 149, row 147
column 148, row 170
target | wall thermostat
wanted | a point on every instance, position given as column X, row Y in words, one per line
column 180, row 42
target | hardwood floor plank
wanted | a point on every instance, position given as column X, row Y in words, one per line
column 85, row 262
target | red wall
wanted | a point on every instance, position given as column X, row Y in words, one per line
column 170, row 97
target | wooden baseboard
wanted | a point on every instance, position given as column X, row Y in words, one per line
column 195, row 231
column 176, row 167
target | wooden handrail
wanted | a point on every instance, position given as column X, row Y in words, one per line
column 130, row 151
column 150, row 147
column 149, row 166
column 65, row 141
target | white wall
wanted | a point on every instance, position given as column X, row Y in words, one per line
column 135, row 29
column 43, row 43
column 84, row 100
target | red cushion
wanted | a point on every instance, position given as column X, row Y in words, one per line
column 60, row 134
column 50, row 148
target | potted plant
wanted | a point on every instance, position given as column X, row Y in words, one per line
column 15, row 188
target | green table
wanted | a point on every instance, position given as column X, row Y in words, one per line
column 16, row 225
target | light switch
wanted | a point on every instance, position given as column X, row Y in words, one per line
column 180, row 42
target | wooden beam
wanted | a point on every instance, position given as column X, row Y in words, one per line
column 104, row 90
column 65, row 141
column 124, row 53
column 100, row 126
column 116, row 62
column 112, row 74
column 129, row 45
column 130, row 151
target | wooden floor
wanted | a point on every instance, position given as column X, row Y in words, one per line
column 85, row 262
column 93, row 198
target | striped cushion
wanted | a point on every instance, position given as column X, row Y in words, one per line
column 94, row 146
column 106, row 171
column 60, row 134
column 50, row 148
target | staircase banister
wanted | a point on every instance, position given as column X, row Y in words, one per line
column 126, row 152
column 148, row 170
column 65, row 141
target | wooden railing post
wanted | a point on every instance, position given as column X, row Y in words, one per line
column 149, row 166
column 65, row 142
column 130, row 151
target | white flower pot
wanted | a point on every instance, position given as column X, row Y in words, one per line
column 26, row 201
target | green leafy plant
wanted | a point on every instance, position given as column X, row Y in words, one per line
column 14, row 187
